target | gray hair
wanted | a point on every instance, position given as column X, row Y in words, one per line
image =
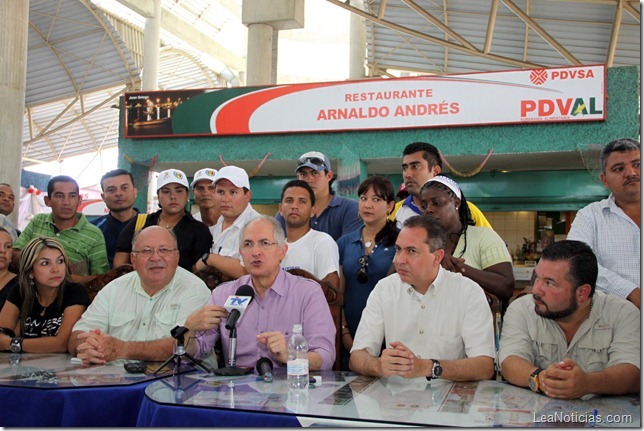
column 278, row 232
column 622, row 145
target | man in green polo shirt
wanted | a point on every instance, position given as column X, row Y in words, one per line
column 82, row 241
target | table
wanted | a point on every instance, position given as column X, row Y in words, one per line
column 342, row 399
column 49, row 390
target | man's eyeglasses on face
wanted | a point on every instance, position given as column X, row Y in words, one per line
column 263, row 244
column 362, row 272
column 148, row 252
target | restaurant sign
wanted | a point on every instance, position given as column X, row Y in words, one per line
column 568, row 94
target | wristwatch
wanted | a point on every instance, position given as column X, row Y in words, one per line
column 533, row 380
column 437, row 370
column 16, row 345
column 204, row 258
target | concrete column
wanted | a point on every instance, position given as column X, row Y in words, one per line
column 14, row 23
column 259, row 58
column 357, row 43
column 151, row 46
column 263, row 22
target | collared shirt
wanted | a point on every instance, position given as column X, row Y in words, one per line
column 610, row 335
column 193, row 238
column 125, row 311
column 615, row 239
column 6, row 224
column 351, row 248
column 316, row 252
column 226, row 242
column 83, row 243
column 451, row 321
column 111, row 228
column 290, row 300
column 406, row 208
column 338, row 218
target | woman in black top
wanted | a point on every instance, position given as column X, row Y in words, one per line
column 7, row 278
column 40, row 313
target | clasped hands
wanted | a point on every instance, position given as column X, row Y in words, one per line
column 399, row 360
column 209, row 317
column 97, row 347
column 564, row 379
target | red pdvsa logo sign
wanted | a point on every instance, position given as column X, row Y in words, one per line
column 538, row 76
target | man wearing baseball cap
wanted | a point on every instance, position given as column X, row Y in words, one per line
column 203, row 188
column 193, row 237
column 333, row 214
column 232, row 189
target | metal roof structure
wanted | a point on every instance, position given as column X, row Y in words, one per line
column 83, row 54
column 81, row 58
column 460, row 36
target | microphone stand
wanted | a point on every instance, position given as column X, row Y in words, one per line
column 231, row 369
column 178, row 333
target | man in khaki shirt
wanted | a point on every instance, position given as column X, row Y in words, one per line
column 566, row 340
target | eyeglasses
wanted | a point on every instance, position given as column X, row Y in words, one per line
column 314, row 160
column 263, row 244
column 148, row 252
column 362, row 272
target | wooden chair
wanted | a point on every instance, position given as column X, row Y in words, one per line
column 95, row 286
column 496, row 307
column 335, row 299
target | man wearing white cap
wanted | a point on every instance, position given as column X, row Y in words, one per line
column 203, row 188
column 334, row 215
column 232, row 189
column 194, row 238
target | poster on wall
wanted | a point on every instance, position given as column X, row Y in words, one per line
column 569, row 94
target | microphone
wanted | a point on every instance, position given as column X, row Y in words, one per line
column 236, row 305
column 265, row 369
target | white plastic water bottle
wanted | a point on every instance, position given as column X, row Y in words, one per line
column 297, row 367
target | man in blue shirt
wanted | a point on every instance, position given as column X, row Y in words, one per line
column 333, row 214
column 118, row 194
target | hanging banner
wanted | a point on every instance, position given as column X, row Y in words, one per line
column 568, row 94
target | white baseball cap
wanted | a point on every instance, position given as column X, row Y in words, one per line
column 170, row 176
column 204, row 174
column 235, row 175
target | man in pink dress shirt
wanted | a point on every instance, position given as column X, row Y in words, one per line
column 280, row 300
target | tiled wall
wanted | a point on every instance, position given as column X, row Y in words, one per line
column 513, row 226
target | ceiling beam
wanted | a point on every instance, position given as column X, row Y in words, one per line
column 614, row 34
column 442, row 27
column 541, row 32
column 631, row 10
column 199, row 40
column 440, row 42
column 491, row 22
column 72, row 121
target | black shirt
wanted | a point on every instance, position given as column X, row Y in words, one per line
column 193, row 238
column 48, row 325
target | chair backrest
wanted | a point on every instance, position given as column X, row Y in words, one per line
column 335, row 299
column 95, row 286
column 212, row 277
column 496, row 307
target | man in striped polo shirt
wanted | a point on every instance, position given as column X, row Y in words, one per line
column 82, row 241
